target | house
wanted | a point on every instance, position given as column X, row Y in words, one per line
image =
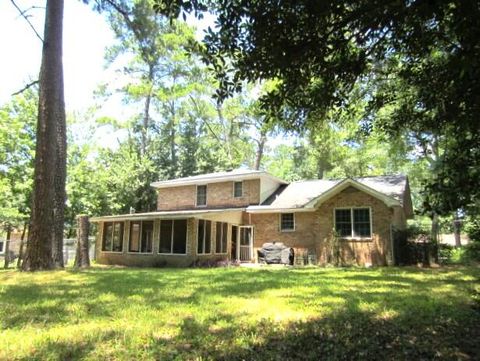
column 230, row 215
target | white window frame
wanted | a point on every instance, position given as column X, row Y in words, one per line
column 204, row 234
column 206, row 195
column 234, row 183
column 141, row 230
column 221, row 230
column 171, row 239
column 289, row 229
column 352, row 237
column 113, row 230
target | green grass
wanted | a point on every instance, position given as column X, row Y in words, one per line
column 238, row 313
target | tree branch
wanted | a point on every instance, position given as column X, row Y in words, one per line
column 25, row 87
column 22, row 13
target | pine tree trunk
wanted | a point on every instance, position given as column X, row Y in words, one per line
column 82, row 258
column 51, row 112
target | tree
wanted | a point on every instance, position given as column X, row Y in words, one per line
column 318, row 52
column 50, row 168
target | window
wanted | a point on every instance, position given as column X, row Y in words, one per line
column 2, row 247
column 287, row 222
column 353, row 222
column 141, row 237
column 204, row 236
column 221, row 237
column 201, row 196
column 112, row 237
column 173, row 236
column 237, row 189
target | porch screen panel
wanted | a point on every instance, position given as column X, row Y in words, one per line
column 107, row 236
column 147, row 237
column 117, row 237
column 134, row 237
column 343, row 222
column 200, row 236
column 361, row 222
column 208, row 236
column 166, row 228
column 224, row 237
column 218, row 238
column 179, row 236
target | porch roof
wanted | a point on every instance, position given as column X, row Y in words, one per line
column 189, row 213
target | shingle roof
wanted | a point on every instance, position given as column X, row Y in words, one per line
column 236, row 174
column 298, row 194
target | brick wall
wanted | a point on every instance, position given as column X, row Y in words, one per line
column 218, row 195
column 314, row 229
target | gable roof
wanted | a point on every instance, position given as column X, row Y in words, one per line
column 307, row 195
column 233, row 175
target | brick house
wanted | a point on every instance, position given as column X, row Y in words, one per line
column 230, row 215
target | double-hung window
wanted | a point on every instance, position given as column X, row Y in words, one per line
column 112, row 240
column 173, row 236
column 287, row 222
column 353, row 222
column 204, row 234
column 141, row 237
column 237, row 189
column 201, row 196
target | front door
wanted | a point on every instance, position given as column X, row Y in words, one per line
column 245, row 246
column 234, row 249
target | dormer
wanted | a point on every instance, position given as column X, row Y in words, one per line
column 234, row 189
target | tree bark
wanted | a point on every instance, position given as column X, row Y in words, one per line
column 457, row 225
column 7, row 248
column 260, row 150
column 82, row 258
column 51, row 118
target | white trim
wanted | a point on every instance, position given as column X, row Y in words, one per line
column 113, row 231
column 171, row 239
column 269, row 209
column 217, row 178
column 280, row 223
column 204, row 235
column 215, row 250
column 4, row 241
column 180, row 214
column 316, row 202
column 140, row 240
column 196, row 196
column 353, row 238
column 234, row 182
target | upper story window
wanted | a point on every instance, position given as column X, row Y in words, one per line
column 237, row 189
column 141, row 237
column 287, row 222
column 201, row 195
column 353, row 222
column 112, row 240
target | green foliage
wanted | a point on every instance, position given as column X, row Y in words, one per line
column 17, row 149
column 240, row 314
column 415, row 64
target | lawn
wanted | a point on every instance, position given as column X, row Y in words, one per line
column 239, row 313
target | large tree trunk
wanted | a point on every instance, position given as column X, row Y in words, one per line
column 51, row 118
column 82, row 258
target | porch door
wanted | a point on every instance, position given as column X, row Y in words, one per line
column 245, row 246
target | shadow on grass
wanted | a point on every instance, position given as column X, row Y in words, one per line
column 429, row 314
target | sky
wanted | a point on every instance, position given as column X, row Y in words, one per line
column 86, row 35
